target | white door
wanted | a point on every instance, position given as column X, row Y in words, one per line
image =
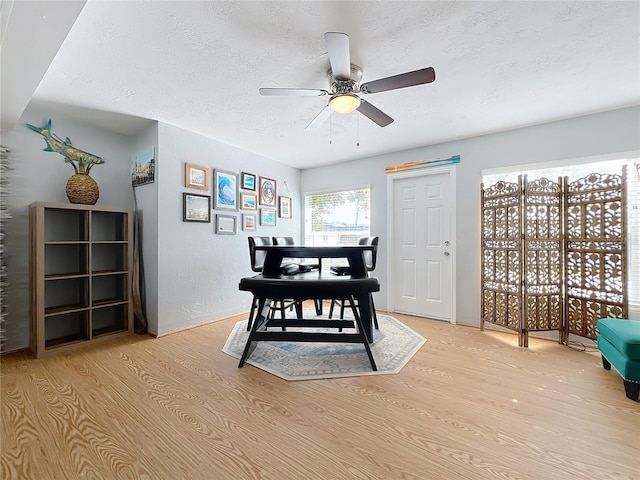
column 421, row 260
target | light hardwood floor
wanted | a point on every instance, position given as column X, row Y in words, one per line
column 469, row 405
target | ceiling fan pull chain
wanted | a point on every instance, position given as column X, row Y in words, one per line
column 357, row 130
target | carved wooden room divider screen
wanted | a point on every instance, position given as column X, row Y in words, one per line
column 595, row 252
column 542, row 245
column 501, row 257
column 553, row 254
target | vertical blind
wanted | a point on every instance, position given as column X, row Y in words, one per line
column 614, row 167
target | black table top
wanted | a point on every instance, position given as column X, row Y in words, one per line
column 275, row 253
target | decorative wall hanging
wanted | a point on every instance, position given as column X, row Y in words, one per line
column 554, row 255
column 248, row 181
column 268, row 217
column 267, row 192
column 421, row 164
column 196, row 208
column 143, row 167
column 284, row 207
column 80, row 188
column 248, row 221
column 226, row 224
column 196, row 176
column 225, row 195
column 248, row 201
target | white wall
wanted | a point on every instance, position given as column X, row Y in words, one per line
column 609, row 132
column 41, row 176
column 199, row 271
column 192, row 273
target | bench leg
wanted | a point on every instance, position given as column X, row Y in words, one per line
column 605, row 363
column 632, row 390
column 360, row 326
column 258, row 322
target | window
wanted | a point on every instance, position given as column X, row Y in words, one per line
column 336, row 217
column 582, row 169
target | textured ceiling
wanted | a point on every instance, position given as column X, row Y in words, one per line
column 198, row 65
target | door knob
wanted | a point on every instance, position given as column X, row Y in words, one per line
column 446, row 254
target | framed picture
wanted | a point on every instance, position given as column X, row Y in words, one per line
column 143, row 167
column 248, row 221
column 248, row 201
column 196, row 208
column 284, row 207
column 267, row 192
column 225, row 190
column 248, row 181
column 268, row 217
column 196, row 176
column 225, row 224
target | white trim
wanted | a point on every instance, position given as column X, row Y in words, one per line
column 392, row 177
column 561, row 163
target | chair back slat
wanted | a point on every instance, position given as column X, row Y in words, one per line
column 258, row 256
column 283, row 241
column 371, row 256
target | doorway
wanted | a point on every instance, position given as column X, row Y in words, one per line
column 421, row 243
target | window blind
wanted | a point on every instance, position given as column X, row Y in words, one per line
column 337, row 217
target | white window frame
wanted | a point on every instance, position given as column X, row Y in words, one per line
column 333, row 190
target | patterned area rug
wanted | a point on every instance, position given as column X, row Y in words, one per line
column 393, row 346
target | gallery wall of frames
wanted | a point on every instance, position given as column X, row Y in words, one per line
column 228, row 198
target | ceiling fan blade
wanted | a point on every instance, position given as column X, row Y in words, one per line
column 338, row 48
column 409, row 79
column 320, row 118
column 298, row 92
column 374, row 114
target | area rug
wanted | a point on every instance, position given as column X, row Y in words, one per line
column 393, row 346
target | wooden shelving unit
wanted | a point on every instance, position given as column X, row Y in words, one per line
column 81, row 263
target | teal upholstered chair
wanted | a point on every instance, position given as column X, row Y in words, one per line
column 619, row 345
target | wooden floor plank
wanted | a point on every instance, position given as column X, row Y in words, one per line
column 469, row 405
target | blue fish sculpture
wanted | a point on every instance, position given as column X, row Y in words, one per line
column 81, row 161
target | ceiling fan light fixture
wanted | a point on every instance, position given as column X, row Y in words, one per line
column 344, row 103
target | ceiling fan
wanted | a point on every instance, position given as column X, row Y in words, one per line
column 344, row 80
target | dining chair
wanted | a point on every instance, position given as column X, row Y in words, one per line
column 370, row 258
column 257, row 258
column 303, row 264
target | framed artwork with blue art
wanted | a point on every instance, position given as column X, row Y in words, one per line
column 225, row 194
column 267, row 192
column 268, row 217
column 248, row 181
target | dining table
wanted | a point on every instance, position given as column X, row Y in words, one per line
column 272, row 285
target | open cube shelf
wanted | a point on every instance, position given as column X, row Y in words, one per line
column 81, row 275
